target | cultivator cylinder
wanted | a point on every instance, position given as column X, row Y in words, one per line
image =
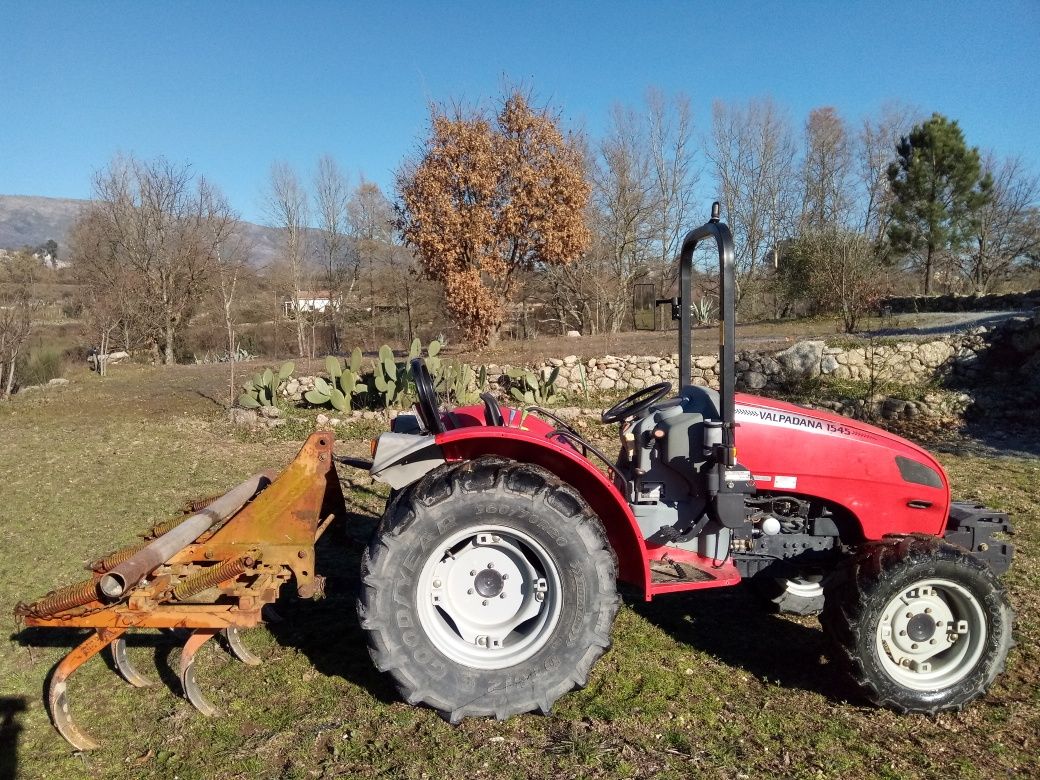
column 209, row 572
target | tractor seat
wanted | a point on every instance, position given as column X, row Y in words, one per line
column 701, row 400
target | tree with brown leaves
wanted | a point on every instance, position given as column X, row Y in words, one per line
column 491, row 196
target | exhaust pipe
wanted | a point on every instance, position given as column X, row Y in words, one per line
column 128, row 573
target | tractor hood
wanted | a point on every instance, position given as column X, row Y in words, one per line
column 890, row 484
column 752, row 408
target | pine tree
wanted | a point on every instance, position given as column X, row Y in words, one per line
column 939, row 186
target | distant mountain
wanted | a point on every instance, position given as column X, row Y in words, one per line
column 29, row 220
column 26, row 220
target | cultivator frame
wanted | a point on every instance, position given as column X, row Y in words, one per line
column 209, row 571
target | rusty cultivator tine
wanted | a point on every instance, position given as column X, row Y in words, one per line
column 57, row 702
column 124, row 667
column 239, row 650
column 187, row 672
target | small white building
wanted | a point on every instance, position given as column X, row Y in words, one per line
column 309, row 301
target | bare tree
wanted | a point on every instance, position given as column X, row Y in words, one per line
column 673, row 170
column 827, row 187
column 287, row 210
column 624, row 200
column 643, row 174
column 370, row 220
column 1007, row 228
column 105, row 284
column 17, row 304
column 752, row 152
column 162, row 225
column 575, row 295
column 339, row 263
column 231, row 263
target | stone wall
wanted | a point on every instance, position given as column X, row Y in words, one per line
column 998, row 366
column 911, row 363
column 933, row 303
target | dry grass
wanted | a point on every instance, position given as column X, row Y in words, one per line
column 705, row 685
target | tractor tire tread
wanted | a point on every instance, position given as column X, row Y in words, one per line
column 852, row 592
column 484, row 474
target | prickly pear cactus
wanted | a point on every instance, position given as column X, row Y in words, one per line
column 533, row 388
column 333, row 368
column 262, row 389
column 386, row 375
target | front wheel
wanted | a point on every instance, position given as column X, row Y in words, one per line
column 489, row 589
column 922, row 625
column 799, row 595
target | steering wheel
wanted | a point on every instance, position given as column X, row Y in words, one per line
column 636, row 403
column 429, row 403
column 492, row 411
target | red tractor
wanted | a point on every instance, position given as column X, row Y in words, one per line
column 489, row 587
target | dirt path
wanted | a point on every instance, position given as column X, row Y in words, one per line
column 943, row 323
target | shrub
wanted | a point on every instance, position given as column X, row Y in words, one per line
column 39, row 367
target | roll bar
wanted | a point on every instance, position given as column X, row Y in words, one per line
column 718, row 230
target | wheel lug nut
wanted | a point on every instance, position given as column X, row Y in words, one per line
column 436, row 583
column 909, row 614
column 931, row 641
column 491, row 565
column 505, row 576
column 928, row 610
column 496, row 539
column 913, row 646
column 470, row 591
column 473, row 573
column 901, row 633
column 484, row 603
column 501, row 595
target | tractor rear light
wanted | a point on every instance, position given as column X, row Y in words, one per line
column 373, row 444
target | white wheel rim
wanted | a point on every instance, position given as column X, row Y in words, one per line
column 489, row 597
column 808, row 587
column 931, row 635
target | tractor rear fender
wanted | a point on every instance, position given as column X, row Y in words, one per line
column 570, row 466
column 403, row 458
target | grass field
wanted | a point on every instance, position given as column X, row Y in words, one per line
column 704, row 685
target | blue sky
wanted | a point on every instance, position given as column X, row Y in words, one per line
column 232, row 86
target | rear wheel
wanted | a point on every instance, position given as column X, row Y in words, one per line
column 489, row 589
column 922, row 625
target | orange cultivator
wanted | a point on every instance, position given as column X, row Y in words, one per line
column 209, row 571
